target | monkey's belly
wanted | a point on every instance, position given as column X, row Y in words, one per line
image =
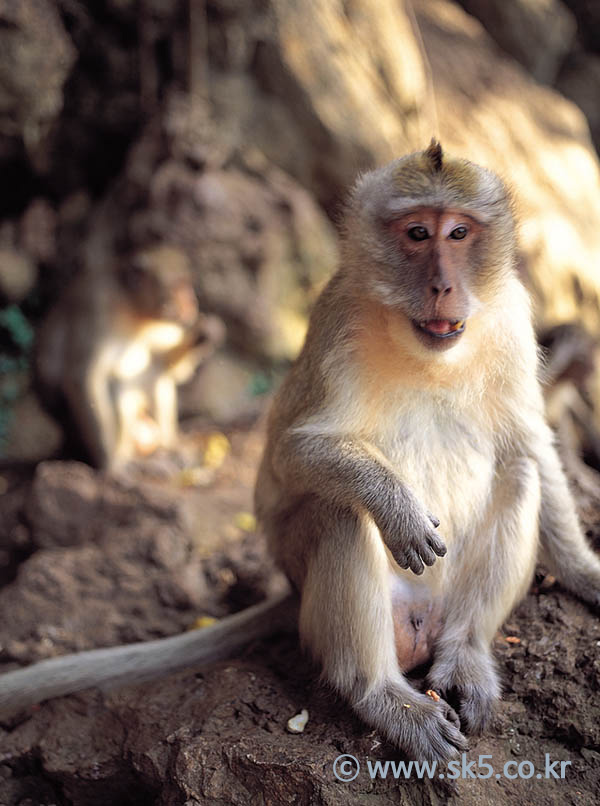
column 417, row 624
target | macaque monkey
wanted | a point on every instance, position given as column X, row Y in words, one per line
column 117, row 345
column 409, row 477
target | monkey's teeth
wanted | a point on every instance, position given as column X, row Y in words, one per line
column 441, row 327
column 438, row 326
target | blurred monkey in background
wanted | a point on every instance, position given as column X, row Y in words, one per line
column 115, row 347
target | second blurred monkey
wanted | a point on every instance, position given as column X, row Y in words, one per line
column 116, row 346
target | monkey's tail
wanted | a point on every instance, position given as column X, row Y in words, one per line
column 134, row 663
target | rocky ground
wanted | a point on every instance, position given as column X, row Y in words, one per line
column 90, row 561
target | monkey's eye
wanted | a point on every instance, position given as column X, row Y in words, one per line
column 418, row 233
column 458, row 233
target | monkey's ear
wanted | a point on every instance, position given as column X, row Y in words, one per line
column 434, row 154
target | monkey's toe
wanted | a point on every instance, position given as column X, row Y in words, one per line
column 450, row 714
column 476, row 710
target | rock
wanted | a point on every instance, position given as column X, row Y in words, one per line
column 541, row 145
column 537, row 34
column 106, row 552
column 37, row 231
column 331, row 69
column 14, row 536
column 70, row 504
column 322, row 90
column 18, row 274
column 217, row 736
column 587, row 13
column 222, row 391
column 31, row 434
column 36, row 56
column 64, row 505
column 258, row 245
column 322, row 118
column 579, row 80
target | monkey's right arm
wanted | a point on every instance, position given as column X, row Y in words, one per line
column 357, row 475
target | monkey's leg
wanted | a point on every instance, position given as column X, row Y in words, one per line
column 486, row 576
column 165, row 409
column 346, row 621
column 132, row 404
column 565, row 549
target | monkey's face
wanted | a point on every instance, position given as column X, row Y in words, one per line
column 160, row 289
column 431, row 238
column 434, row 271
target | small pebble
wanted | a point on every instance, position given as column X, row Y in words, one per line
column 297, row 723
column 201, row 622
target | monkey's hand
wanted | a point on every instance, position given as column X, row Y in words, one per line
column 409, row 533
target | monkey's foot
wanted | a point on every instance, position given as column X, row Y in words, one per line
column 421, row 728
column 476, row 708
column 472, row 685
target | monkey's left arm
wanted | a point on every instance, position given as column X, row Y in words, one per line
column 566, row 550
column 198, row 344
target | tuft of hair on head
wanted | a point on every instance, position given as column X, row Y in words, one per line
column 434, row 154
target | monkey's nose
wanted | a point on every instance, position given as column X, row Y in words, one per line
column 441, row 290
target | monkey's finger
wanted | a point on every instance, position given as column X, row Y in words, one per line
column 400, row 558
column 454, row 737
column 415, row 564
column 447, row 741
column 434, row 520
column 437, row 545
column 427, row 555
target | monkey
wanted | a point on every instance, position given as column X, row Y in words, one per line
column 409, row 477
column 117, row 345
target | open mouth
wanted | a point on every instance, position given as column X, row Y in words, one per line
column 441, row 328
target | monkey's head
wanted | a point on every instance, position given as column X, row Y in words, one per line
column 432, row 239
column 159, row 283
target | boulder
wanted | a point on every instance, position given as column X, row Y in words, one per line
column 537, row 34
column 36, row 56
column 359, row 100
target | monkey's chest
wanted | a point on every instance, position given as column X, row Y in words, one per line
column 133, row 359
column 446, row 460
column 132, row 362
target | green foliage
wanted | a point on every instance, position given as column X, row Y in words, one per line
column 16, row 343
column 260, row 384
column 17, row 326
